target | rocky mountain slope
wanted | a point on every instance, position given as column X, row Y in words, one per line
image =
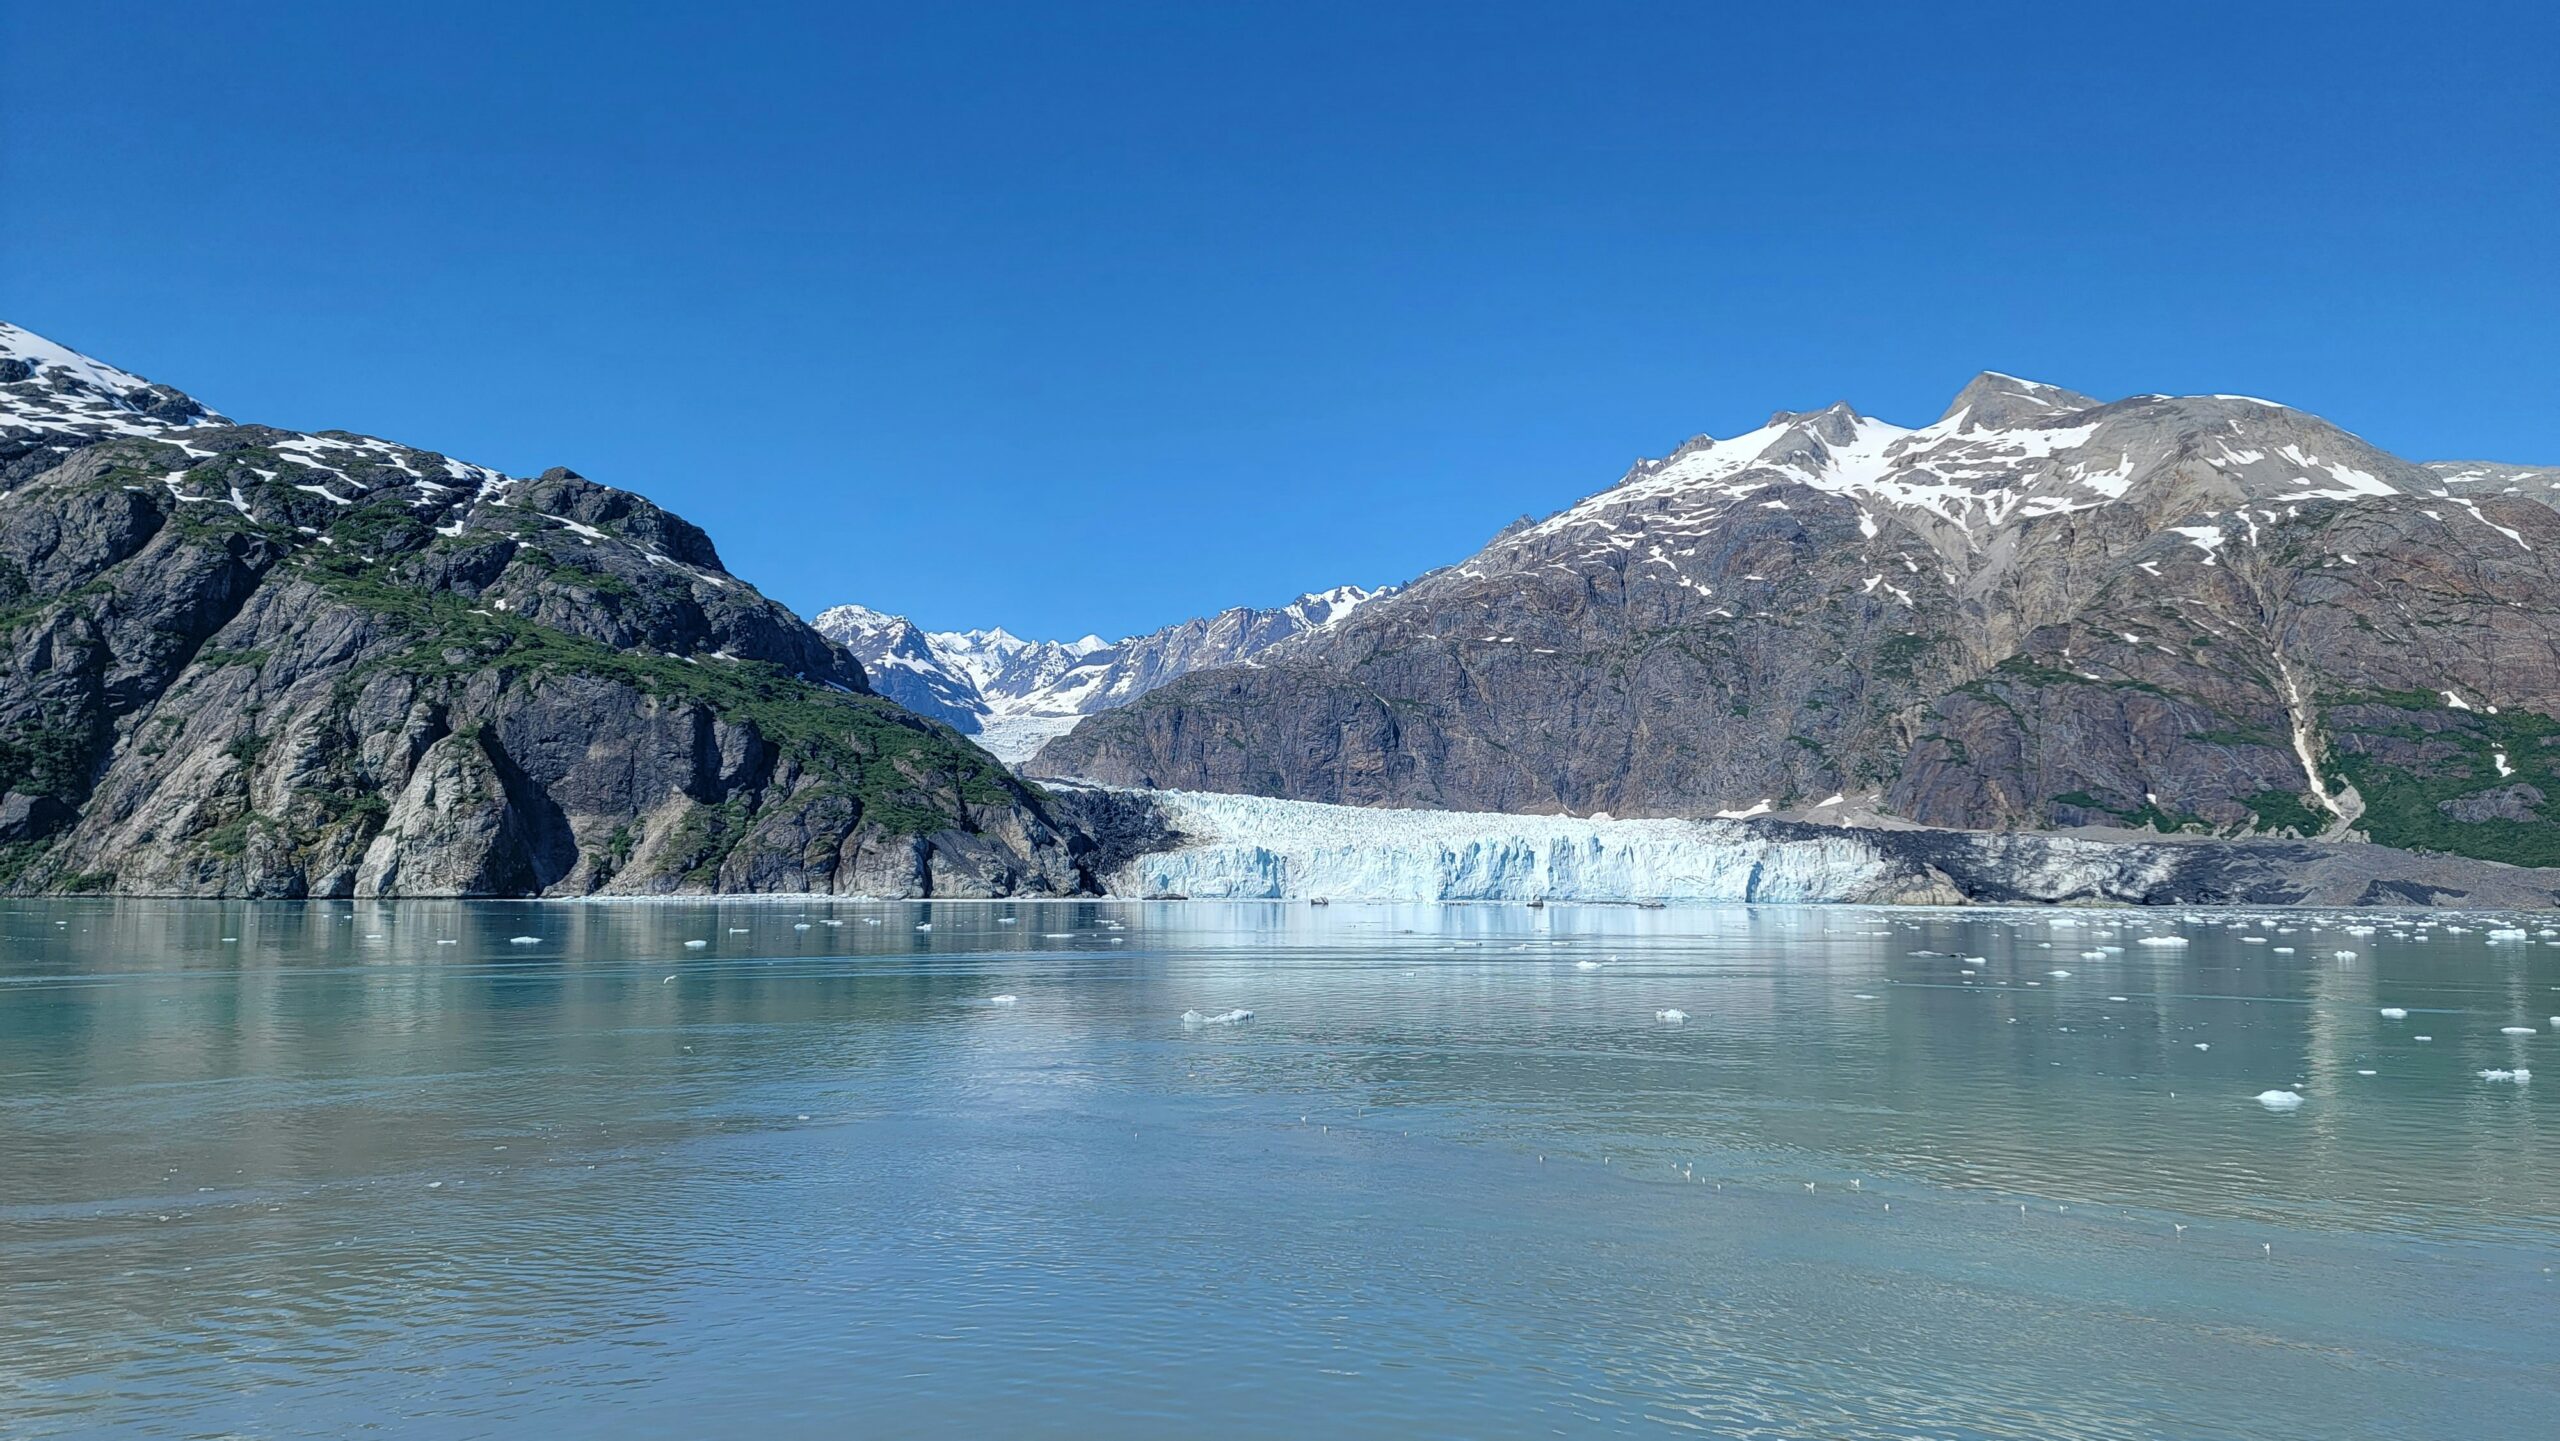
column 2205, row 613
column 244, row 661
column 1013, row 694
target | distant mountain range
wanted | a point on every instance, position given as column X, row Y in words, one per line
column 1014, row 694
column 2203, row 613
column 245, row 661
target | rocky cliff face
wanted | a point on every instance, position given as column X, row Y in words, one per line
column 2207, row 613
column 244, row 661
column 1013, row 694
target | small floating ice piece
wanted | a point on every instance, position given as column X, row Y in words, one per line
column 2519, row 1075
column 2394, row 1013
column 695, row 945
column 1586, row 965
column 1007, row 999
column 2161, row 941
column 2204, row 1045
column 924, row 926
column 1671, row 1016
column 2279, row 1100
column 2059, row 975
column 2364, row 1073
column 2343, row 955
column 1861, row 996
column 1235, row 1017
column 2422, row 1038
column 524, row 940
column 2516, row 1031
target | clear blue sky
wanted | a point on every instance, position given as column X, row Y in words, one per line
column 1086, row 317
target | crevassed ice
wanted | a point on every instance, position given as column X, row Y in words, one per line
column 1257, row 848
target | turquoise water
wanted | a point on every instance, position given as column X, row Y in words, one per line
column 285, row 1170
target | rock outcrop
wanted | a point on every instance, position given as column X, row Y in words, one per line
column 244, row 661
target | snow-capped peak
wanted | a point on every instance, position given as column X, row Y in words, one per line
column 1994, row 398
column 48, row 387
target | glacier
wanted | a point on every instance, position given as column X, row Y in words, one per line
column 1232, row 847
column 1252, row 847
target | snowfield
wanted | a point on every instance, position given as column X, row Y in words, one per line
column 1248, row 847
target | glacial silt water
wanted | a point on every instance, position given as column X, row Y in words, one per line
column 497, row 1169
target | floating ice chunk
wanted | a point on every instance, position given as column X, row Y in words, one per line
column 2519, row 1075
column 2343, row 955
column 2394, row 1013
column 1007, row 999
column 2093, row 955
column 2283, row 950
column 2280, row 1100
column 1587, row 965
column 737, row 930
column 2422, row 1038
column 924, row 925
column 1861, row 996
column 2506, row 933
column 1671, row 1016
column 2516, row 1031
column 695, row 945
column 2204, row 1045
column 2161, row 941
column 2059, row 975
column 2116, row 998
column 524, row 940
column 1235, row 1017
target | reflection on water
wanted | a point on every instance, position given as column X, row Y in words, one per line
column 284, row 1170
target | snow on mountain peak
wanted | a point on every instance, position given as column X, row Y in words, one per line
column 1014, row 694
column 1995, row 401
column 45, row 386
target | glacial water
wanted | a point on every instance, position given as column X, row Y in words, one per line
column 337, row 1169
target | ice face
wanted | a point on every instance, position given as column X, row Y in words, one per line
column 1252, row 847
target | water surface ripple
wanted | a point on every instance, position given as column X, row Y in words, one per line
column 274, row 1170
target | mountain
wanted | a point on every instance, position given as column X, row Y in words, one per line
column 2206, row 613
column 245, row 661
column 903, row 665
column 1013, row 694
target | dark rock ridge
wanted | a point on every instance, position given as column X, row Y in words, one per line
column 2208, row 614
column 244, row 661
